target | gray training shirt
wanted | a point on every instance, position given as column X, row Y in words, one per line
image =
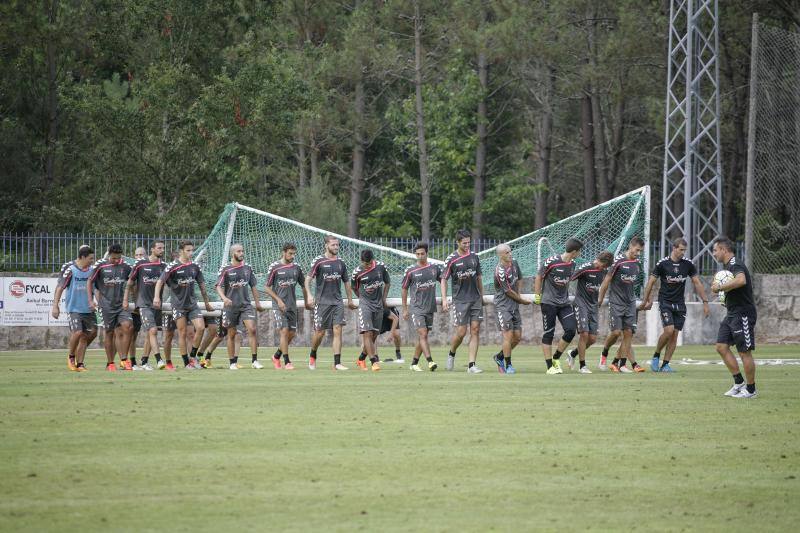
column 421, row 283
column 505, row 279
column 181, row 279
column 625, row 274
column 110, row 279
column 145, row 275
column 463, row 270
column 283, row 279
column 556, row 274
column 329, row 273
column 368, row 284
column 236, row 283
column 589, row 280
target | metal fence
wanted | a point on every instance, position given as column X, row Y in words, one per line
column 46, row 252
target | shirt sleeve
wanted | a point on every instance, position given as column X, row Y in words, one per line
column 65, row 278
column 692, row 270
column 542, row 268
column 200, row 279
column 386, row 278
column 344, row 269
column 478, row 267
column 253, row 281
column 658, row 271
column 407, row 278
column 737, row 268
column 301, row 278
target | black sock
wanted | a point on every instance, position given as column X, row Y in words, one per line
column 71, row 356
column 508, row 361
column 286, row 358
column 185, row 359
column 664, row 363
column 363, row 357
column 374, row 359
column 557, row 355
column 144, row 359
column 81, row 365
column 234, row 359
column 656, row 355
column 337, row 359
column 397, row 354
column 634, row 365
column 200, row 354
column 738, row 379
column 751, row 388
column 277, row 354
column 623, row 361
column 157, row 356
column 605, row 352
column 254, row 356
column 415, row 361
column 615, row 361
column 193, row 352
column 429, row 358
column 499, row 355
column 208, row 356
column 471, row 365
column 452, row 354
column 574, row 353
column 133, row 361
column 549, row 363
column 313, row 354
column 583, row 364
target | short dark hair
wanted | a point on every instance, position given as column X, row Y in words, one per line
column 85, row 251
column 722, row 240
column 153, row 244
column 115, row 248
column 421, row 245
column 605, row 257
column 636, row 241
column 367, row 255
column 462, row 234
column 184, row 244
column 680, row 241
column 288, row 246
column 329, row 238
column 573, row 245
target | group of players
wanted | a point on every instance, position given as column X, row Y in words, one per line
column 106, row 286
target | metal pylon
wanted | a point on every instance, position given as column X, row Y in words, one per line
column 692, row 187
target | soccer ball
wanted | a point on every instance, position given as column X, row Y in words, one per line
column 723, row 276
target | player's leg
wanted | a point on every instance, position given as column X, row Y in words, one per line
column 507, row 346
column 123, row 334
column 252, row 337
column 322, row 322
column 549, row 314
column 199, row 330
column 459, row 332
column 337, row 347
column 460, row 314
column 566, row 317
column 368, row 350
column 609, row 343
column 474, row 343
column 233, row 357
column 131, row 351
column 75, row 336
column 516, row 338
column 394, row 333
column 744, row 339
column 181, row 326
column 679, row 319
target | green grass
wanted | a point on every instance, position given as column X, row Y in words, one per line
column 321, row 451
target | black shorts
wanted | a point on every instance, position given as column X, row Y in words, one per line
column 738, row 328
column 386, row 325
column 137, row 321
column 672, row 314
column 565, row 314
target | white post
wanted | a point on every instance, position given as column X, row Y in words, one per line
column 751, row 149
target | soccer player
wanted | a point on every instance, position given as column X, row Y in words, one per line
column 370, row 281
column 213, row 337
column 623, row 313
column 739, row 325
column 232, row 286
column 420, row 280
column 283, row 276
column 551, row 291
column 464, row 268
column 330, row 272
column 181, row 276
column 144, row 277
column 589, row 276
column 507, row 299
column 106, row 292
column 138, row 254
column 74, row 279
column 391, row 325
column 673, row 271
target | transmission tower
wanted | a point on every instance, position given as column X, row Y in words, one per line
column 692, row 187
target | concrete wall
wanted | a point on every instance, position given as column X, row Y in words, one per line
column 777, row 296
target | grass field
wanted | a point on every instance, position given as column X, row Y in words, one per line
column 396, row 450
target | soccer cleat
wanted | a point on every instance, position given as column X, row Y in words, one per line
column 190, row 366
column 257, row 365
column 557, row 366
column 169, row 366
column 71, row 364
column 340, row 366
column 81, row 368
column 553, row 370
column 288, row 366
column 376, row 367
column 638, row 369
column 400, row 361
column 602, row 364
column 733, row 391
column 416, row 368
column 474, row 370
column 614, row 367
column 205, row 363
column 276, row 362
column 666, row 368
column 111, row 367
column 147, row 367
column 654, row 364
column 234, row 366
column 744, row 393
column 312, row 363
column 626, row 370
column 501, row 364
column 362, row 364
column 160, row 364
column 137, row 368
column 125, row 364
column 432, row 366
column 451, row 362
column 510, row 370
column 584, row 370
column 571, row 355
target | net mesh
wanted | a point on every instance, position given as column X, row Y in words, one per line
column 776, row 161
column 605, row 227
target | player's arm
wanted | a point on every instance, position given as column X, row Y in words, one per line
column 277, row 299
column 701, row 292
column 443, row 285
column 307, row 290
column 516, row 295
column 537, row 289
column 386, row 292
column 157, row 295
column 651, row 282
column 348, row 289
column 603, row 288
column 404, row 298
column 226, row 302
column 55, row 311
column 479, row 281
column 738, row 281
column 259, row 307
column 201, row 282
column 128, row 291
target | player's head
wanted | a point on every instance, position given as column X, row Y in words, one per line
column 679, row 247
column 635, row 247
column 157, row 248
column 85, row 255
column 288, row 251
column 722, row 249
column 504, row 253
column 463, row 240
column 604, row 259
column 366, row 257
column 332, row 244
column 139, row 253
column 573, row 247
column 421, row 251
column 237, row 252
column 185, row 250
column 115, row 253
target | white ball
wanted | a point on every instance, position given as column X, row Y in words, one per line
column 721, row 277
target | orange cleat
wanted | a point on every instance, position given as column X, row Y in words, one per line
column 111, row 367
column 362, row 364
column 71, row 363
column 276, row 362
column 170, row 366
column 614, row 367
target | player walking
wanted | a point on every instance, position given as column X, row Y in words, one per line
column 507, row 299
column 143, row 279
column 74, row 279
column 420, row 281
column 370, row 281
column 283, row 277
column 106, row 292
